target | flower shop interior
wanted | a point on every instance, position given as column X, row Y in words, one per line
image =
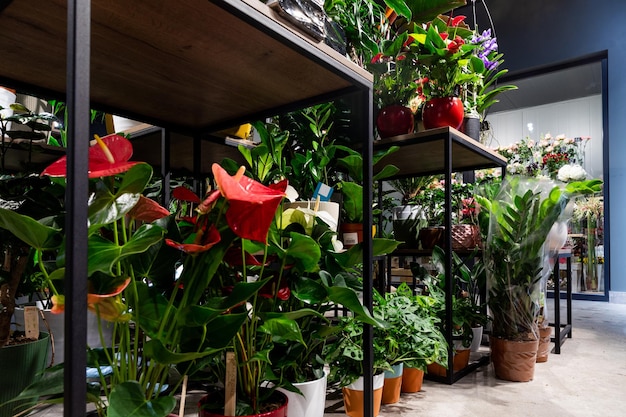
column 228, row 271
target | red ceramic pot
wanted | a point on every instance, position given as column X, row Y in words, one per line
column 278, row 399
column 443, row 111
column 394, row 120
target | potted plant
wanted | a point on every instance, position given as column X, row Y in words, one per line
column 519, row 217
column 352, row 191
column 133, row 275
column 299, row 366
column 408, row 217
column 344, row 354
column 432, row 201
column 478, row 81
column 412, row 340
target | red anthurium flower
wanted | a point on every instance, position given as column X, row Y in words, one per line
column 233, row 257
column 185, row 194
column 110, row 156
column 283, row 293
column 206, row 205
column 203, row 242
column 252, row 205
column 147, row 210
column 444, row 35
column 457, row 21
column 376, row 58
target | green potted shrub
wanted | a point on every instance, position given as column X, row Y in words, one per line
column 519, row 217
column 133, row 277
column 412, row 340
column 409, row 217
column 351, row 229
column 344, row 355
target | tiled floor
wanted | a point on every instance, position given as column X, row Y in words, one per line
column 587, row 379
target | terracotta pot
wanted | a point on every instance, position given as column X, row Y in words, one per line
column 543, row 350
column 412, row 379
column 443, row 111
column 277, row 397
column 392, row 385
column 351, row 234
column 459, row 361
column 431, row 236
column 394, row 120
column 513, row 360
column 353, row 396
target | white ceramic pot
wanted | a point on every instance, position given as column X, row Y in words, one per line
column 379, row 381
column 56, row 326
column 477, row 338
column 312, row 401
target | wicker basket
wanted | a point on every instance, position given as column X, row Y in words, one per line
column 465, row 237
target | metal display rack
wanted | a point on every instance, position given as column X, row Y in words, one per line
column 441, row 151
column 192, row 67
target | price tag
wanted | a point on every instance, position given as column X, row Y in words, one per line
column 31, row 322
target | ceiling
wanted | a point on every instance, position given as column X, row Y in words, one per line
column 555, row 86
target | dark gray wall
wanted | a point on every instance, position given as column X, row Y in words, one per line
column 537, row 33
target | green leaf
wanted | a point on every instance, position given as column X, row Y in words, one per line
column 104, row 254
column 354, row 255
column 128, row 400
column 30, row 231
column 282, row 329
column 348, row 298
column 304, row 251
column 154, row 349
column 309, row 290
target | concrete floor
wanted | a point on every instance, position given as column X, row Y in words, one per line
column 587, row 379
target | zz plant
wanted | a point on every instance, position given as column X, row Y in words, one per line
column 519, row 217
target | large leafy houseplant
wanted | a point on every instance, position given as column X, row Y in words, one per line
column 413, row 336
column 519, row 217
column 133, row 279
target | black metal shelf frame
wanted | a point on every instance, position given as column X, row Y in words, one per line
column 78, row 86
column 450, row 139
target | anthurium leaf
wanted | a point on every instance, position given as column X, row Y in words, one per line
column 107, row 208
column 282, row 330
column 241, row 292
column 386, row 172
column 128, row 400
column 400, row 7
column 348, row 298
column 223, row 328
column 294, row 315
column 151, row 309
column 304, row 252
column 154, row 349
column 354, row 255
column 30, row 231
column 104, row 254
column 135, row 179
column 309, row 290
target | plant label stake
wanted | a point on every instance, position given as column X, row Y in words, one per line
column 31, row 322
column 230, row 385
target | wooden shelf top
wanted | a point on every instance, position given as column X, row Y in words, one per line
column 192, row 65
column 423, row 153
